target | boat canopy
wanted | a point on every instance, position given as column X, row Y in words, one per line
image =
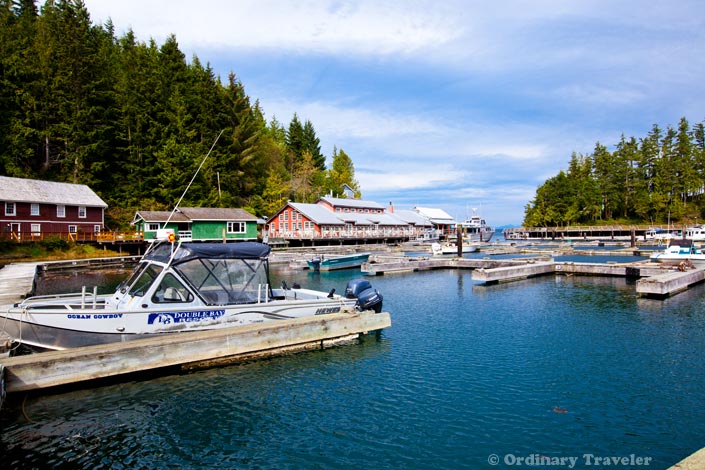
column 190, row 251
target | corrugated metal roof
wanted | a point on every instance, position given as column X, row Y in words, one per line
column 355, row 218
column 160, row 216
column 385, row 219
column 317, row 213
column 48, row 192
column 411, row 217
column 438, row 216
column 188, row 214
column 336, row 201
column 215, row 213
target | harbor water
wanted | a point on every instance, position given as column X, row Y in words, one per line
column 533, row 373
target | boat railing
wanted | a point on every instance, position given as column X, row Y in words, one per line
column 86, row 298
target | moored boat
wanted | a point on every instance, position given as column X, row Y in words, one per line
column 451, row 248
column 331, row 263
column 476, row 229
column 680, row 251
column 177, row 287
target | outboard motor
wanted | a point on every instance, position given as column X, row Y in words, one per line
column 367, row 297
column 316, row 263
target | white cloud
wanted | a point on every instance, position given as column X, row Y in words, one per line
column 405, row 177
column 314, row 26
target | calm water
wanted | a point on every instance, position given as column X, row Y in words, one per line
column 548, row 367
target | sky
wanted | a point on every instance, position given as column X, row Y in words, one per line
column 456, row 104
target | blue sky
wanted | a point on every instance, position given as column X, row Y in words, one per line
column 450, row 104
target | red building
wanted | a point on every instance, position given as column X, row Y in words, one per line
column 337, row 220
column 35, row 209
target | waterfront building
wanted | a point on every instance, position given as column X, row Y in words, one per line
column 32, row 210
column 199, row 224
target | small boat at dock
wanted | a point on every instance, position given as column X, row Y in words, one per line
column 334, row 262
column 177, row 287
column 451, row 248
column 679, row 251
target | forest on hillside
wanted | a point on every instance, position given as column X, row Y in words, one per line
column 134, row 121
column 653, row 179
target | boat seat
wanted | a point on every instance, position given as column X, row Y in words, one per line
column 171, row 294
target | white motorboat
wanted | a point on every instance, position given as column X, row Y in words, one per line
column 680, row 251
column 695, row 233
column 476, row 229
column 177, row 287
column 451, row 248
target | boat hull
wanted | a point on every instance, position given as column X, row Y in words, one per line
column 339, row 262
column 59, row 328
column 438, row 249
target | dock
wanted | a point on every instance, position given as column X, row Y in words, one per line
column 16, row 281
column 187, row 350
column 654, row 280
column 379, row 267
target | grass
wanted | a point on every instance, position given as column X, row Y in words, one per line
column 50, row 250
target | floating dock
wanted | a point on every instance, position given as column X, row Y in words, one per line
column 187, row 350
column 16, row 281
column 409, row 264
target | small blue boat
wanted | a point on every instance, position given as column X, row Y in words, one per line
column 330, row 263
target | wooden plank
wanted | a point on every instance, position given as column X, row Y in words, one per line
column 16, row 281
column 54, row 368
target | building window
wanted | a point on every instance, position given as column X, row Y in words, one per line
column 34, row 210
column 96, row 229
column 308, row 225
column 73, row 229
column 61, row 211
column 236, row 227
column 10, row 208
column 81, row 212
column 285, row 215
column 152, row 227
column 36, row 229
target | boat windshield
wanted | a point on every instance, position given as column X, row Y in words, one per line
column 227, row 281
column 145, row 280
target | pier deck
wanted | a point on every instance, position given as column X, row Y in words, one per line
column 16, row 281
column 187, row 350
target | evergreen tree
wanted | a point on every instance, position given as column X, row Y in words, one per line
column 312, row 145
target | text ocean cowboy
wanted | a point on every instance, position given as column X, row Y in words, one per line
column 538, row 460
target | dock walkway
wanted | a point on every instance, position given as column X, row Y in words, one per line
column 16, row 281
column 187, row 350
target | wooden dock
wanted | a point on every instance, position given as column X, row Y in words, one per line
column 409, row 264
column 187, row 350
column 654, row 279
column 16, row 281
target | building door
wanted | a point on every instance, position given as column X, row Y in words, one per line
column 15, row 231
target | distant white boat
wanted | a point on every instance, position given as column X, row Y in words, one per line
column 695, row 233
column 661, row 235
column 451, row 248
column 476, row 229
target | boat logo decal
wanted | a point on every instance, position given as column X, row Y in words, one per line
column 166, row 318
column 324, row 310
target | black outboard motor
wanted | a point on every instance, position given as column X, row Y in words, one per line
column 367, row 297
column 316, row 263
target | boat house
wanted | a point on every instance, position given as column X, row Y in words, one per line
column 342, row 220
column 443, row 223
column 199, row 224
column 34, row 210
